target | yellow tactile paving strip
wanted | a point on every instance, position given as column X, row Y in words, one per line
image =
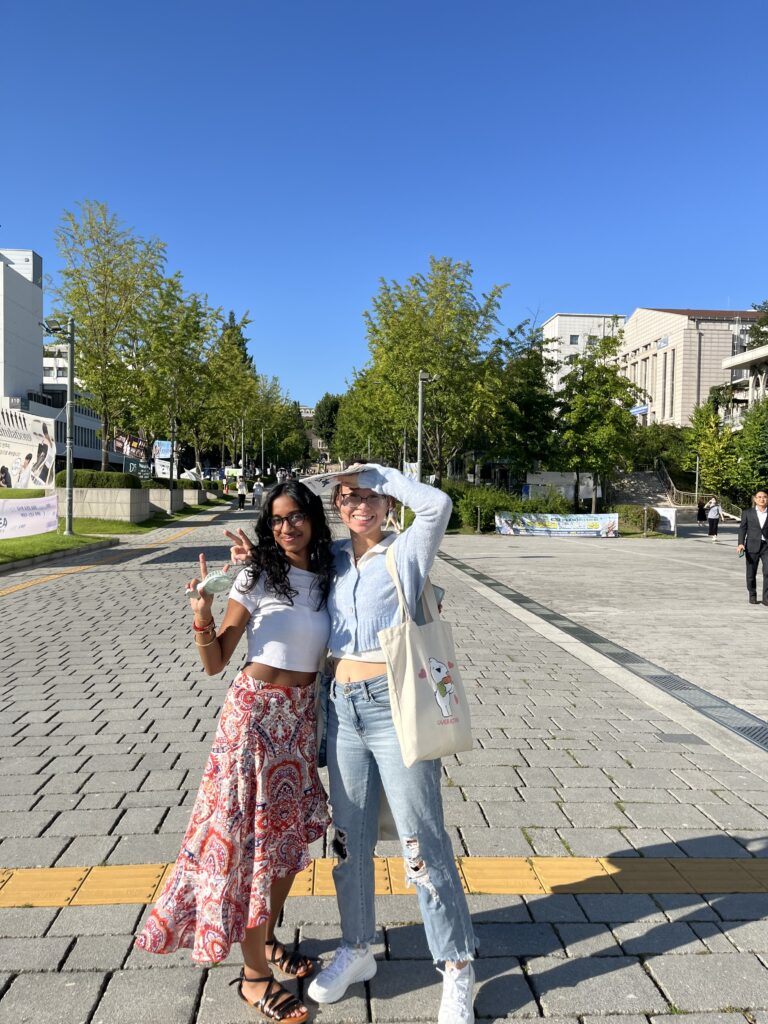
column 523, row 876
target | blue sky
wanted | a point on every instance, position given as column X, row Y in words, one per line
column 594, row 156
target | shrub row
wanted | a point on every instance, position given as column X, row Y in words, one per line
column 632, row 515
column 163, row 483
column 98, row 478
column 490, row 501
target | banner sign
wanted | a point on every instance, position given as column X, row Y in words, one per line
column 667, row 519
column 161, row 450
column 163, row 469
column 542, row 524
column 130, row 445
column 139, row 467
column 27, row 450
column 24, row 517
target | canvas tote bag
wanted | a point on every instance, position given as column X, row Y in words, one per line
column 429, row 705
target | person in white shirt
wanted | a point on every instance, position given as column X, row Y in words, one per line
column 753, row 544
column 714, row 514
column 261, row 803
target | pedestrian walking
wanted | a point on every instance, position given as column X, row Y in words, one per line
column 256, row 493
column 701, row 514
column 242, row 490
column 260, row 802
column 714, row 515
column 753, row 544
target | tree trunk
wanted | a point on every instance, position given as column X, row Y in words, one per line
column 576, row 494
column 595, row 482
column 104, row 442
column 439, row 460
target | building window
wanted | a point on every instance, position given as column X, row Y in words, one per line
column 574, row 339
column 47, row 371
column 663, row 386
column 61, row 371
column 672, row 383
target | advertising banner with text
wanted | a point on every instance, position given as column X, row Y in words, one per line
column 27, row 450
column 23, row 517
column 542, row 524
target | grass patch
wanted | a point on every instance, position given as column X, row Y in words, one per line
column 21, row 492
column 42, row 544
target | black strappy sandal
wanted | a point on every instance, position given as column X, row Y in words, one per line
column 273, row 1005
column 295, row 963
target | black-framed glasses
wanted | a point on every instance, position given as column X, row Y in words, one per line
column 354, row 500
column 293, row 519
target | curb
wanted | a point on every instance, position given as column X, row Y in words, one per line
column 55, row 556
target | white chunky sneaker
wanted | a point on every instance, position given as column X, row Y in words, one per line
column 349, row 965
column 456, row 1004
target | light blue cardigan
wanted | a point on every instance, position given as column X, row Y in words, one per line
column 362, row 603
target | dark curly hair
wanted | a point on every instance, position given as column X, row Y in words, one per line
column 268, row 559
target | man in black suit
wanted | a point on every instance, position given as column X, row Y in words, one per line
column 753, row 540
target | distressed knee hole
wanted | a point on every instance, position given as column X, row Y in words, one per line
column 415, row 868
column 339, row 843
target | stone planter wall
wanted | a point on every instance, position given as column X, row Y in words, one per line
column 163, row 500
column 131, row 506
column 193, row 497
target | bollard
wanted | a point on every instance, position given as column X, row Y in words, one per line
column 645, row 520
column 478, row 520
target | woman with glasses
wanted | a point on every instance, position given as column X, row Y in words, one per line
column 260, row 802
column 363, row 751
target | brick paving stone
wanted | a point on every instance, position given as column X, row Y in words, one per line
column 596, row 842
column 595, row 815
column 706, row 843
column 713, row 936
column 533, row 814
column 599, row 985
column 502, row 990
column 84, row 823
column 99, row 953
column 97, row 920
column 20, row 824
column 31, row 853
column 729, row 980
column 685, row 907
column 545, row 842
column 33, row 953
column 555, row 908
column 740, row 906
column 640, row 939
column 588, row 940
column 146, row 849
column 615, row 908
column 706, row 1018
column 604, row 795
column 134, row 997
column 16, row 922
column 50, row 999
column 495, row 842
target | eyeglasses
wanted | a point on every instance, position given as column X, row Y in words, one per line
column 293, row 519
column 353, row 500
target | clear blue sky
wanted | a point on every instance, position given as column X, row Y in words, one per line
column 595, row 155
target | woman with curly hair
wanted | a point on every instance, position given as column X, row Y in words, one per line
column 260, row 802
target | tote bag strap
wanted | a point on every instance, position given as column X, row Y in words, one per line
column 428, row 599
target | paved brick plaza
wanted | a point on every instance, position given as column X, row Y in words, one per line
column 107, row 719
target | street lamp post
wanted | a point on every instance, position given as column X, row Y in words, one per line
column 424, row 378
column 54, row 329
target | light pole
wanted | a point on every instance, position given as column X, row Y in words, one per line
column 424, row 378
column 54, row 329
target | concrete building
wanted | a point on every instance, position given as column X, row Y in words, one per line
column 676, row 356
column 749, row 377
column 34, row 379
column 568, row 335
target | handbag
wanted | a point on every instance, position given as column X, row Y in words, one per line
column 429, row 705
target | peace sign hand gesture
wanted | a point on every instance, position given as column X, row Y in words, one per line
column 200, row 601
column 242, row 548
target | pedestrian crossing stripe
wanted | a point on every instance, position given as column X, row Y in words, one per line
column 521, row 876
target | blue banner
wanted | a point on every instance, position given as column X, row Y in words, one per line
column 542, row 524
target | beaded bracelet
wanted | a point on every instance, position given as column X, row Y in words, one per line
column 211, row 641
column 205, row 628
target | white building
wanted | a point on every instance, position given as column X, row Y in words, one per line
column 676, row 355
column 30, row 380
column 568, row 334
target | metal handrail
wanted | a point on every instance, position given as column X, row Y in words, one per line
column 687, row 499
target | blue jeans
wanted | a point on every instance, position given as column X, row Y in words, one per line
column 363, row 755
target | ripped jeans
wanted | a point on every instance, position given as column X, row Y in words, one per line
column 363, row 752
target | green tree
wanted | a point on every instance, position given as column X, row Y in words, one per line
column 662, row 441
column 715, row 446
column 758, row 329
column 324, row 420
column 235, row 387
column 106, row 283
column 520, row 406
column 434, row 323
column 597, row 430
column 751, row 472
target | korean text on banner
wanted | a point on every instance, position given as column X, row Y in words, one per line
column 25, row 517
column 542, row 524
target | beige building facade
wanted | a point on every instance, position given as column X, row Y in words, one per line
column 676, row 355
column 568, row 334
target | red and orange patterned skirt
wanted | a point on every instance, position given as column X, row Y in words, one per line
column 260, row 805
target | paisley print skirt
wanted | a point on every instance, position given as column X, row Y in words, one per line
column 260, row 805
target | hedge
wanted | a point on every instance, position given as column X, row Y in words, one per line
column 98, row 478
column 490, row 501
column 632, row 515
column 165, row 484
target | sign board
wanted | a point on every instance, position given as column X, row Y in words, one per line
column 27, row 449
column 130, row 445
column 161, row 450
column 162, row 469
column 639, row 410
column 25, row 517
column 139, row 467
column 667, row 519
column 542, row 524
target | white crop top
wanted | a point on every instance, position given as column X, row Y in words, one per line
column 293, row 637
